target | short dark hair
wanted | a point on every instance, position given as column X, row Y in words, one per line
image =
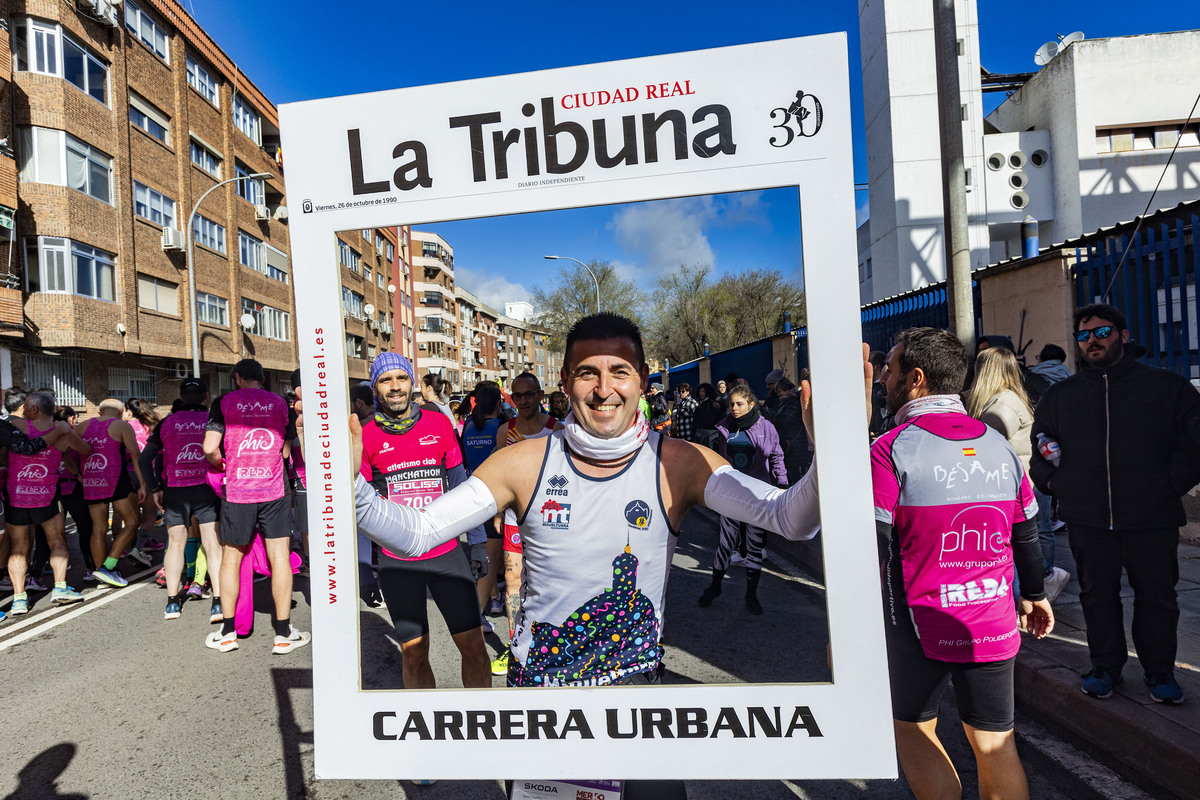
column 1103, row 310
column 435, row 382
column 14, row 398
column 250, row 370
column 529, row 376
column 938, row 353
column 784, row 385
column 683, row 387
column 878, row 359
column 605, row 325
column 1052, row 352
column 363, row 393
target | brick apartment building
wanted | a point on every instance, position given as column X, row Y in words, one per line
column 436, row 308
column 123, row 115
column 522, row 346
column 478, row 331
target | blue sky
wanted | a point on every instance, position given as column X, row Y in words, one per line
column 305, row 50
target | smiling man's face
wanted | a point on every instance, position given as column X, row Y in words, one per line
column 605, row 382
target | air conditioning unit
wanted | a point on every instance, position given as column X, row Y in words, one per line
column 109, row 14
column 181, row 369
column 422, row 346
column 261, row 213
column 173, row 239
column 374, row 325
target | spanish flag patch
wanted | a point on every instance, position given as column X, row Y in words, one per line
column 968, row 451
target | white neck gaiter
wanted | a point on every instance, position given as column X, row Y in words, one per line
column 597, row 449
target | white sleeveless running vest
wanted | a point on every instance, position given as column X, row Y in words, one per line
column 597, row 555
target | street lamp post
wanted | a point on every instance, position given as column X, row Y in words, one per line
column 191, row 267
column 589, row 272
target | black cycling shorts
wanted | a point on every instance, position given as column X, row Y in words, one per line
column 984, row 689
column 122, row 492
column 240, row 520
column 33, row 516
column 182, row 503
column 448, row 579
column 300, row 503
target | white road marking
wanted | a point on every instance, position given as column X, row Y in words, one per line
column 1104, row 781
column 46, row 620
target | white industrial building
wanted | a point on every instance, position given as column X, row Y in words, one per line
column 1077, row 145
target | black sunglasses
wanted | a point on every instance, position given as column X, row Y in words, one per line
column 1103, row 332
column 523, row 395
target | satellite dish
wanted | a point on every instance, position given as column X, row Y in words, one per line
column 1070, row 38
column 1046, row 52
column 370, row 309
column 248, row 321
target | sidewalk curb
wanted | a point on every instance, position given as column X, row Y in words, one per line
column 1166, row 754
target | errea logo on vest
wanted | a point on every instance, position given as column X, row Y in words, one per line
column 259, row 440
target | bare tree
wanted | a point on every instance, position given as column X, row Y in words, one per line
column 572, row 294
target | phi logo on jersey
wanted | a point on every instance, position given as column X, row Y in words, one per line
column 259, row 440
column 556, row 515
column 638, row 514
column 190, row 453
column 95, row 463
column 32, row 472
column 429, row 438
column 558, row 486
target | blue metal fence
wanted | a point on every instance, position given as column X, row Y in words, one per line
column 1155, row 287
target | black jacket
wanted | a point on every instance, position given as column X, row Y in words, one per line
column 1128, row 453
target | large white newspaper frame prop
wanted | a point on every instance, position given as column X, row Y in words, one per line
column 756, row 116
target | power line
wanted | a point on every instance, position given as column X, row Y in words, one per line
column 1142, row 216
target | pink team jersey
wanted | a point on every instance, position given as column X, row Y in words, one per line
column 182, row 435
column 33, row 480
column 254, row 422
column 410, row 469
column 952, row 488
column 101, row 470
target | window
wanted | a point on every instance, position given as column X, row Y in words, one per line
column 204, row 83
column 126, row 383
column 366, row 273
column 204, row 158
column 63, row 374
column 251, row 190
column 352, row 302
column 391, row 252
column 1161, row 136
column 246, row 120
column 348, row 256
column 366, row 233
column 354, row 346
column 208, row 233
column 379, row 278
column 153, row 205
column 51, row 156
column 269, row 322
column 37, row 46
column 146, row 29
column 378, row 244
column 429, row 249
column 148, row 118
column 250, row 252
column 67, row 267
column 212, row 309
column 276, row 263
column 157, row 294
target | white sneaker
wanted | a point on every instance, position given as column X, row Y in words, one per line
column 286, row 644
column 487, row 626
column 1054, row 583
column 223, row 643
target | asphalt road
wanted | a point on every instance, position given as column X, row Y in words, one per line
column 106, row 700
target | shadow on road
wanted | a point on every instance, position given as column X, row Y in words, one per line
column 287, row 682
column 38, row 778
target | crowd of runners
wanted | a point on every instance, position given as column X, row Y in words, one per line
column 569, row 504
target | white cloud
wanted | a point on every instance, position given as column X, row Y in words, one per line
column 491, row 289
column 661, row 235
column 862, row 211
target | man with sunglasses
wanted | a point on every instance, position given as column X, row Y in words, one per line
column 1124, row 458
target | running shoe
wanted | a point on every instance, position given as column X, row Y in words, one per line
column 1054, row 583
column 20, row 605
column 1099, row 683
column 487, row 625
column 194, row 591
column 174, row 608
column 206, row 591
column 88, row 577
column 215, row 615
column 500, row 665
column 710, row 594
column 64, row 596
column 6, row 583
column 140, row 557
column 2, row 616
column 495, row 607
column 219, row 641
column 152, row 545
column 160, row 578
column 32, row 584
column 737, row 560
column 1164, row 688
column 286, row 644
column 110, row 576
